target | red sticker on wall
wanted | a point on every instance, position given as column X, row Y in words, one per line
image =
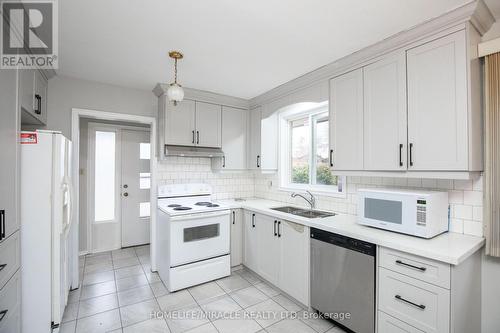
column 29, row 138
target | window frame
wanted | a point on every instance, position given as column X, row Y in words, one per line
column 299, row 111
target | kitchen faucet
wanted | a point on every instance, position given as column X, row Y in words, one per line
column 311, row 201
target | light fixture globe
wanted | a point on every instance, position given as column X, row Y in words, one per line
column 175, row 93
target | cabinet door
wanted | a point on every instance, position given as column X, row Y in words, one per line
column 385, row 114
column 254, row 160
column 234, row 129
column 269, row 142
column 268, row 248
column 388, row 324
column 40, row 102
column 294, row 260
column 208, row 125
column 10, row 301
column 9, row 172
column 437, row 104
column 236, row 237
column 346, row 121
column 180, row 123
column 250, row 228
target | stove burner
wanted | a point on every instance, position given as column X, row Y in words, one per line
column 174, row 205
column 203, row 203
column 182, row 208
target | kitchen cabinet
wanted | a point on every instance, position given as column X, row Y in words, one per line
column 33, row 97
column 268, row 248
column 236, row 237
column 250, row 234
column 384, row 96
column 180, row 123
column 254, row 160
column 10, row 305
column 278, row 250
column 346, row 121
column 269, row 142
column 208, row 125
column 437, row 104
column 234, row 140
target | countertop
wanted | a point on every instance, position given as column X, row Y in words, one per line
column 452, row 248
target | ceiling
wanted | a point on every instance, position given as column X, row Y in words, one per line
column 239, row 48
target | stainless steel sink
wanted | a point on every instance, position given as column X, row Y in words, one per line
column 308, row 213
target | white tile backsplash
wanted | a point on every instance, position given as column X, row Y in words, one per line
column 465, row 196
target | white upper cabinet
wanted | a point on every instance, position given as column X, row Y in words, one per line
column 33, row 97
column 437, row 105
column 269, row 142
column 385, row 113
column 180, row 123
column 346, row 121
column 208, row 125
column 254, row 159
column 234, row 142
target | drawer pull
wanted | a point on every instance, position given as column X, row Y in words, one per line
column 2, row 314
column 422, row 269
column 420, row 306
column 2, row 266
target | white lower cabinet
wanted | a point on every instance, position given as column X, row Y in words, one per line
column 388, row 324
column 10, row 305
column 236, row 237
column 278, row 251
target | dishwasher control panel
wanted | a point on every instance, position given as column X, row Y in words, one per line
column 343, row 241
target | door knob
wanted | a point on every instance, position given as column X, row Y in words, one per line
column 125, row 194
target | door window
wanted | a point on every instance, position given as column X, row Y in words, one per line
column 104, row 204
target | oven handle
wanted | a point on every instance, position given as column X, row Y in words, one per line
column 199, row 216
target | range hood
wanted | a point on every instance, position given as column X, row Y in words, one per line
column 188, row 151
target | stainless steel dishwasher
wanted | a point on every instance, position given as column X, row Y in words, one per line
column 343, row 280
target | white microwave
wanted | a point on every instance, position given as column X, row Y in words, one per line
column 417, row 213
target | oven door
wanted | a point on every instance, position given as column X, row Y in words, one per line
column 196, row 237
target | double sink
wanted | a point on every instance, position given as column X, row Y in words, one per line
column 307, row 213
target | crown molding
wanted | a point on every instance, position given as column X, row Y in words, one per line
column 205, row 96
column 475, row 12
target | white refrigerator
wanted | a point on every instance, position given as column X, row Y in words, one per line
column 49, row 245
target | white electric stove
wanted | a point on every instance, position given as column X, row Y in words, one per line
column 193, row 236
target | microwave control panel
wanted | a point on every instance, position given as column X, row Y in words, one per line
column 421, row 212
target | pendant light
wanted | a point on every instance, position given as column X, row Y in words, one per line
column 175, row 93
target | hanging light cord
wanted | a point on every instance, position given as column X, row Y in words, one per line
column 175, row 70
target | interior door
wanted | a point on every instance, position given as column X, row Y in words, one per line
column 437, row 104
column 180, row 123
column 136, row 183
column 385, row 108
column 208, row 125
column 234, row 125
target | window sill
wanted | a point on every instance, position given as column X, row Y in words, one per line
column 314, row 190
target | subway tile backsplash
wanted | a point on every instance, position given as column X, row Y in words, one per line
column 465, row 196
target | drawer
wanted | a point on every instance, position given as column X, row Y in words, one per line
column 10, row 257
column 421, row 305
column 10, row 305
column 388, row 324
column 427, row 270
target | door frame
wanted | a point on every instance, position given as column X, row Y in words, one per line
column 76, row 115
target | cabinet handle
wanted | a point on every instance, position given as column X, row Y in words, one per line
column 400, row 154
column 253, row 220
column 2, row 224
column 411, row 154
column 234, row 219
column 192, row 132
column 275, row 233
column 422, row 269
column 2, row 266
column 2, row 314
column 38, row 109
column 258, row 161
column 331, row 157
column 420, row 306
column 279, row 232
column 197, row 137
column 223, row 161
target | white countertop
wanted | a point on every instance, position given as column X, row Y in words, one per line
column 450, row 247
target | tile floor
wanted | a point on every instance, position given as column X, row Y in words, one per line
column 119, row 293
